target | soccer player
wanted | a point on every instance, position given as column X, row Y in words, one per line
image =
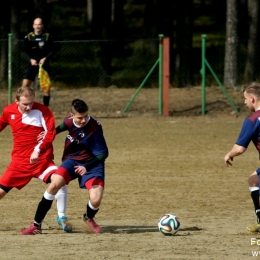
column 250, row 131
column 31, row 158
column 37, row 49
column 83, row 158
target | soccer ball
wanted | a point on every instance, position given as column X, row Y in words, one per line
column 168, row 224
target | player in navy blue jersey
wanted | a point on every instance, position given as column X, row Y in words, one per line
column 250, row 131
column 38, row 48
column 83, row 158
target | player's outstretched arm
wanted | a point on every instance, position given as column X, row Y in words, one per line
column 235, row 151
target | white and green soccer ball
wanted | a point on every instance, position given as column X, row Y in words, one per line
column 168, row 224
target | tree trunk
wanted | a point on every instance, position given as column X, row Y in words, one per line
column 118, row 27
column 243, row 20
column 230, row 67
column 159, row 19
column 101, row 29
column 252, row 64
column 150, row 27
column 184, row 42
column 90, row 10
column 15, row 30
column 4, row 46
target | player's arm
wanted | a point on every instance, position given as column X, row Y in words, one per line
column 49, row 49
column 99, row 148
column 61, row 128
column 81, row 170
column 235, row 151
column 3, row 122
column 247, row 132
column 97, row 160
column 25, row 48
column 49, row 126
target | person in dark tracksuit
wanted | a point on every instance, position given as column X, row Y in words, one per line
column 37, row 49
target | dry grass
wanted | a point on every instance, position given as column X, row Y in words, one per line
column 156, row 165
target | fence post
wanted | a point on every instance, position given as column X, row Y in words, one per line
column 163, row 74
column 204, row 64
column 10, row 36
column 166, row 75
column 160, row 71
column 203, row 74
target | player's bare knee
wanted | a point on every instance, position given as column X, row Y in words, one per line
column 95, row 201
column 54, row 187
column 95, row 204
column 253, row 180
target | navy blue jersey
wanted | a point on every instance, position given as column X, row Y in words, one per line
column 250, row 131
column 82, row 144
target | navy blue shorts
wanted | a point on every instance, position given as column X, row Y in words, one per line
column 67, row 171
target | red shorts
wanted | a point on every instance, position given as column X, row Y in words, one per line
column 17, row 174
column 93, row 182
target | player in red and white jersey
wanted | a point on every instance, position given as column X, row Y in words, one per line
column 31, row 158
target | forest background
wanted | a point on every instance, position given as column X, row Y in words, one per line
column 231, row 27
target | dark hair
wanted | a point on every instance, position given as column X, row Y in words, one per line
column 78, row 105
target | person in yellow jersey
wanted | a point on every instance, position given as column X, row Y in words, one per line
column 38, row 48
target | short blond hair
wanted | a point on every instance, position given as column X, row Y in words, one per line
column 25, row 91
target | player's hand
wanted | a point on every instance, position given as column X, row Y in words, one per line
column 227, row 160
column 40, row 136
column 34, row 62
column 42, row 61
column 81, row 170
column 34, row 157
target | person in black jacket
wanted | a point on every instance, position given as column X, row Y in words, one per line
column 37, row 50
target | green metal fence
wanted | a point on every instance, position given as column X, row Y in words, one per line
column 122, row 64
column 206, row 65
column 90, row 63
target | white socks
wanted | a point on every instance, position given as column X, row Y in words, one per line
column 253, row 188
column 90, row 205
column 62, row 200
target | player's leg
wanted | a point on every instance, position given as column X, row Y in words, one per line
column 62, row 200
column 27, row 82
column 95, row 188
column 14, row 177
column 29, row 75
column 57, row 183
column 66, row 170
column 44, row 205
column 61, row 196
column 254, row 189
column 63, row 175
column 3, row 191
column 46, row 97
